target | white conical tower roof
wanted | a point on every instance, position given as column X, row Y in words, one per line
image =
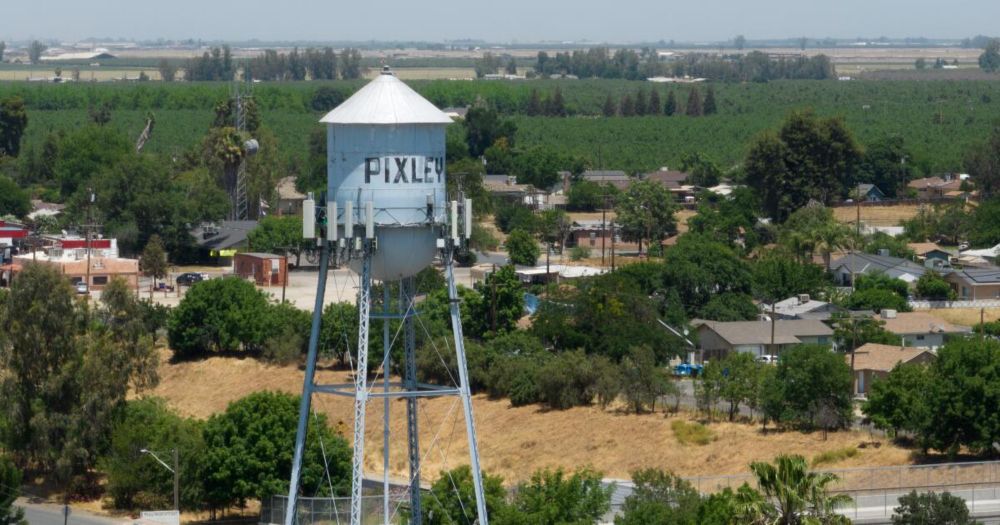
column 386, row 100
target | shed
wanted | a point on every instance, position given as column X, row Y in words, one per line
column 266, row 269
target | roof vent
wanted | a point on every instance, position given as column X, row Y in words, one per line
column 803, row 298
column 386, row 70
column 888, row 314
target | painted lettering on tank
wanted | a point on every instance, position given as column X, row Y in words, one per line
column 394, row 169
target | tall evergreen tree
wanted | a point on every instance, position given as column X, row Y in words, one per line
column 655, row 106
column 534, row 107
column 694, row 108
column 670, row 108
column 610, row 109
column 556, row 106
column 710, row 106
column 640, row 102
column 628, row 106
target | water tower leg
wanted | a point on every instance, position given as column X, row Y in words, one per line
column 361, row 387
column 465, row 392
column 386, row 359
column 307, row 387
column 407, row 290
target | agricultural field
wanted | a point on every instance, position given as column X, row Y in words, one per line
column 938, row 120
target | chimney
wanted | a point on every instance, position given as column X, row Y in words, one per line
column 888, row 313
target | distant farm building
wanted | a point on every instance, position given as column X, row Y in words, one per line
column 97, row 54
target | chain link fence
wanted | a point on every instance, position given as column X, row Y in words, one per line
column 330, row 511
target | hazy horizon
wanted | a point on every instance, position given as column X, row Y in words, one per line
column 517, row 20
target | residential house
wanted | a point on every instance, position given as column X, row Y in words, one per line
column 920, row 329
column 716, row 339
column 868, row 193
column 506, row 187
column 929, row 250
column 222, row 239
column 973, row 284
column 597, row 235
column 617, row 178
column 989, row 254
column 845, row 268
column 801, row 307
column 938, row 187
column 290, row 199
column 676, row 182
column 874, row 361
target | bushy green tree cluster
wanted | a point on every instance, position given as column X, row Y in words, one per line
column 811, row 388
column 879, row 292
column 946, row 405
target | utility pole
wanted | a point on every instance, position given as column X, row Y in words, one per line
column 90, row 221
column 177, row 483
column 493, row 299
column 604, row 224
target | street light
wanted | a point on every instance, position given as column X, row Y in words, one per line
column 174, row 471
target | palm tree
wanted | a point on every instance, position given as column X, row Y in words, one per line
column 830, row 238
column 798, row 496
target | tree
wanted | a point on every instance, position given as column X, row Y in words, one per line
column 511, row 68
column 777, row 275
column 928, row 507
column 13, row 200
column 812, row 379
column 646, row 212
column 643, row 382
column 134, row 481
column 556, row 106
column 966, row 381
column 736, row 376
column 10, row 481
column 168, row 71
column 609, row 109
column 694, row 105
column 813, row 229
column 797, row 492
column 350, row 64
column 218, row 315
column 627, row 106
column 534, row 107
column 249, row 451
column 900, row 403
column 279, row 235
column 983, row 226
column 654, row 107
column 3, row 48
column 884, row 165
column 584, row 195
column 488, row 64
column 502, row 302
column 640, row 103
column 522, row 248
column 453, row 500
column 483, row 127
column 810, row 158
column 85, row 152
column 35, row 50
column 710, row 105
column 853, row 332
column 730, row 307
column 920, row 64
column 989, row 61
column 740, row 42
column 670, row 107
column 662, row 498
column 553, row 497
column 933, row 287
column 154, row 259
column 699, row 267
column 983, row 163
column 13, row 121
column 878, row 292
column 66, row 379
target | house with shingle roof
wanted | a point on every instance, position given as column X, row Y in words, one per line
column 845, row 268
column 974, row 284
column 920, row 329
column 874, row 361
column 717, row 339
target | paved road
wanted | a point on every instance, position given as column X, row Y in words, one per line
column 45, row 514
column 878, row 508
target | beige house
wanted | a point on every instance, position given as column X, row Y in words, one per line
column 973, row 284
column 920, row 329
column 874, row 361
column 716, row 339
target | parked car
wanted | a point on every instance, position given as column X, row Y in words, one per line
column 82, row 288
column 189, row 278
column 768, row 359
column 688, row 370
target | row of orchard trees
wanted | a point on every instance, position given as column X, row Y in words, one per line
column 316, row 64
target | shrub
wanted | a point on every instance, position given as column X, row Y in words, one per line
column 692, row 433
column 834, row 456
column 928, row 507
column 932, row 286
column 579, row 253
column 218, row 315
column 522, row 248
column 567, row 380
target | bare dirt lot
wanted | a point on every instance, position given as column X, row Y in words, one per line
column 890, row 215
column 514, row 441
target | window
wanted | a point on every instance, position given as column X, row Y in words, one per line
column 920, row 338
column 100, row 280
column 823, row 340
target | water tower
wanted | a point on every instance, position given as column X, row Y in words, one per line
column 388, row 216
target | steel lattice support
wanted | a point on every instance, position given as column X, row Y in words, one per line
column 407, row 289
column 307, row 387
column 464, row 391
column 361, row 385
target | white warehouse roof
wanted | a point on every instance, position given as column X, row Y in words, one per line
column 386, row 100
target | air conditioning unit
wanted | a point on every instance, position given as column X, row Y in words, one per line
column 888, row 314
column 803, row 298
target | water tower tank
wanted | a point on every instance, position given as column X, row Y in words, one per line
column 386, row 144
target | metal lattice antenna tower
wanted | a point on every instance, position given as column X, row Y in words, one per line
column 242, row 94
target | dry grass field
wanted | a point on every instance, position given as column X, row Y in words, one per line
column 877, row 215
column 514, row 441
column 966, row 316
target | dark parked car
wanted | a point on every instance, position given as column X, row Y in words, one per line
column 187, row 279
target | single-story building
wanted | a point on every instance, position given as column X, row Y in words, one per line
column 926, row 251
column 266, row 269
column 595, row 234
column 801, row 307
column 937, row 187
column 972, row 284
column 289, row 198
column 220, row 240
column 990, row 254
column 868, row 192
column 71, row 260
column 920, row 329
column 11, row 232
column 716, row 339
column 845, row 268
column 874, row 361
column 507, row 188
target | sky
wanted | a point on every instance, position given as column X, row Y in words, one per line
column 619, row 21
